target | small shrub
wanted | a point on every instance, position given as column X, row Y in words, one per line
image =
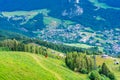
column 94, row 75
column 103, row 77
column 111, row 76
column 84, row 71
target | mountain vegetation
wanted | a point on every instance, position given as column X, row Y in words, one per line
column 27, row 66
column 92, row 26
column 59, row 40
column 41, row 25
column 85, row 65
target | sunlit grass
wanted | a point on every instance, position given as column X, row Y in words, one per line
column 79, row 45
column 110, row 62
column 20, row 66
column 23, row 66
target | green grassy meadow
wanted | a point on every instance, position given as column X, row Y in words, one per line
column 110, row 62
column 79, row 45
column 26, row 66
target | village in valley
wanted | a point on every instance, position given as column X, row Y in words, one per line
column 107, row 40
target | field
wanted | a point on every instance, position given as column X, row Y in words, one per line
column 26, row 66
column 79, row 45
column 110, row 62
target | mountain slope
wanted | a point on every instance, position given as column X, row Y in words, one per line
column 52, row 72
column 97, row 14
column 26, row 66
column 41, row 25
column 89, row 22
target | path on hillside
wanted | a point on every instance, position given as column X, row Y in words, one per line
column 35, row 57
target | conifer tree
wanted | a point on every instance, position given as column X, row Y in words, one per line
column 105, row 70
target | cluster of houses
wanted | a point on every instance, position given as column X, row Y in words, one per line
column 116, row 61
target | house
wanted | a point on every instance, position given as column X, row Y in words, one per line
column 104, row 56
column 62, row 55
column 116, row 62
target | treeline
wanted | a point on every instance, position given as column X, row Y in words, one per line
column 11, row 35
column 103, row 73
column 5, row 35
column 33, row 48
column 14, row 45
column 86, row 64
column 63, row 48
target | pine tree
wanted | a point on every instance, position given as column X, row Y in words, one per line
column 15, row 43
column 105, row 70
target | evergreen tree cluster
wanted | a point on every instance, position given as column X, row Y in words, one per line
column 14, row 45
column 33, row 48
column 55, row 46
column 106, row 71
column 103, row 73
column 63, row 48
column 79, row 62
column 83, row 63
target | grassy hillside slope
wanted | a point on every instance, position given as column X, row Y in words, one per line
column 26, row 66
column 110, row 62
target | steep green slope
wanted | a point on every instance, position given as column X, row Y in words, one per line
column 25, row 66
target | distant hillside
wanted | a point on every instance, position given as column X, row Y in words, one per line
column 84, row 12
column 11, row 35
column 114, row 3
column 82, row 22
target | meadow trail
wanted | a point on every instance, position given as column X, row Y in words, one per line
column 35, row 57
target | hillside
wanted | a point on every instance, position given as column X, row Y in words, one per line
column 110, row 61
column 81, row 22
column 59, row 40
column 40, row 24
column 26, row 66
